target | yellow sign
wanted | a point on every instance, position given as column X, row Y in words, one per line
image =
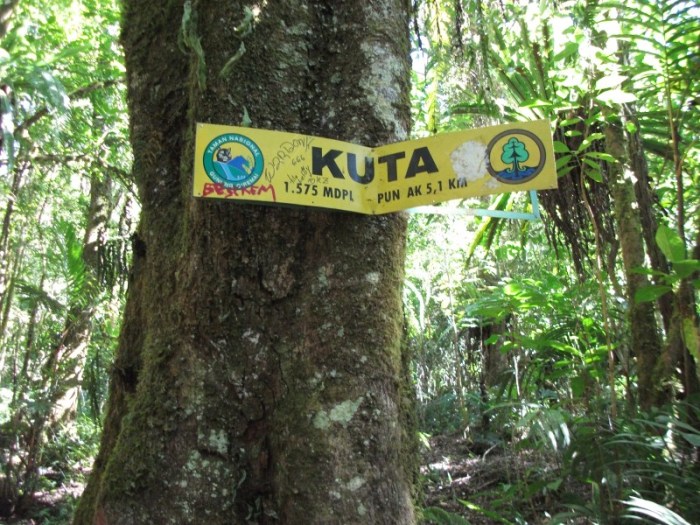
column 274, row 167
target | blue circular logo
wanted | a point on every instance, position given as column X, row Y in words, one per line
column 233, row 160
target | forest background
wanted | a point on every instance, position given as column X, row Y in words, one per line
column 556, row 357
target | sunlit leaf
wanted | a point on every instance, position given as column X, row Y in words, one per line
column 590, row 139
column 598, row 155
column 609, row 82
column 616, row 96
column 670, row 243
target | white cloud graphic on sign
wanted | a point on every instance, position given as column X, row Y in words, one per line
column 469, row 161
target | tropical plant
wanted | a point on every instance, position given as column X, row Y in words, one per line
column 617, row 317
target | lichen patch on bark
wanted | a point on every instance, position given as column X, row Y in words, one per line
column 342, row 414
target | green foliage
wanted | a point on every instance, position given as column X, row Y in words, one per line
column 64, row 132
column 672, row 246
column 71, row 450
column 527, row 343
column 437, row 516
column 513, row 345
column 658, row 513
column 644, row 457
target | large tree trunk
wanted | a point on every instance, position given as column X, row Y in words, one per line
column 259, row 377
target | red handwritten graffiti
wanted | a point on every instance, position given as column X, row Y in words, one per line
column 250, row 191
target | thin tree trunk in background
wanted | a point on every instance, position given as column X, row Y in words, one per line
column 677, row 309
column 64, row 368
column 5, row 233
column 260, row 375
column 645, row 339
column 6, row 304
column 30, row 340
column 646, row 206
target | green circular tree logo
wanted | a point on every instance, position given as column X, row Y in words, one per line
column 515, row 156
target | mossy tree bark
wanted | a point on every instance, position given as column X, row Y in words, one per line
column 645, row 336
column 259, row 377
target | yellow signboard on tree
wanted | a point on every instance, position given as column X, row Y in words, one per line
column 275, row 167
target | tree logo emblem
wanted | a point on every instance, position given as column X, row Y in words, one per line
column 515, row 156
column 233, row 160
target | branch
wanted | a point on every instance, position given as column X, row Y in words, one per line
column 77, row 94
column 60, row 159
column 6, row 10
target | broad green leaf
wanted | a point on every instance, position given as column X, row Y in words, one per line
column 591, row 163
column 590, row 139
column 600, row 156
column 561, row 172
column 686, row 267
column 670, row 243
column 693, row 439
column 594, row 174
column 493, row 339
column 650, row 293
column 554, row 485
column 616, row 96
column 512, row 289
column 569, row 122
column 495, row 516
column 563, row 161
column 560, row 147
column 640, row 270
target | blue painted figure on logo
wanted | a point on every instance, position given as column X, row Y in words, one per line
column 234, row 169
